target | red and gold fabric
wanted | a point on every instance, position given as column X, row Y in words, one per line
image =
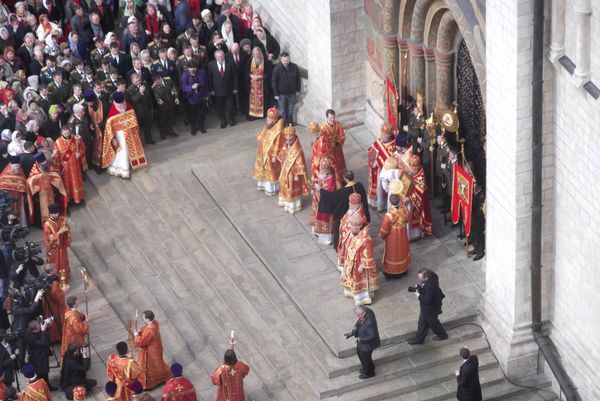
column 71, row 167
column 57, row 244
column 462, row 197
column 322, row 222
column 336, row 135
column 257, row 96
column 396, row 252
column 123, row 371
column 392, row 103
column 126, row 122
column 97, row 117
column 359, row 253
column 12, row 179
column 293, row 178
column 270, row 141
column 44, row 184
column 179, row 389
column 345, row 233
column 378, row 153
column 321, row 149
column 150, row 357
column 75, row 329
column 230, row 381
column 54, row 305
column 36, row 391
column 79, row 393
column 421, row 210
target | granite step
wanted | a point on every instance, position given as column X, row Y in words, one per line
column 505, row 391
column 402, row 365
column 423, row 384
column 160, row 238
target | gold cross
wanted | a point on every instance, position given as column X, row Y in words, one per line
column 232, row 372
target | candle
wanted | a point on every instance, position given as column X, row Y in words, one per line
column 232, row 333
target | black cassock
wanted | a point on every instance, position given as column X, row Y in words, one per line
column 337, row 204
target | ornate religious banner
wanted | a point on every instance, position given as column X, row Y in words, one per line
column 392, row 103
column 462, row 196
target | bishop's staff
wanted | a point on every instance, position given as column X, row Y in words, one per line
column 86, row 286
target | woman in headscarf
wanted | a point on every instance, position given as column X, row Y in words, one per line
column 15, row 147
column 267, row 43
column 52, row 47
column 258, row 79
column 134, row 50
column 6, row 40
column 146, row 59
column 166, row 34
column 44, row 28
column 227, row 34
column 35, row 112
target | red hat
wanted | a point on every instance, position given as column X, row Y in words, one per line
column 355, row 198
column 79, row 393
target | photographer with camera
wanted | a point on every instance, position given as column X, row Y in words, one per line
column 25, row 266
column 430, row 298
column 24, row 310
column 367, row 339
column 74, row 369
column 37, row 339
column 9, row 354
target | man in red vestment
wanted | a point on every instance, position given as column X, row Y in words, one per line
column 122, row 370
column 396, row 251
column 154, row 369
column 420, row 211
column 355, row 205
column 57, row 239
column 321, row 148
column 12, row 179
column 378, row 153
column 138, row 392
column 334, row 131
column 69, row 156
column 293, row 180
column 36, row 388
column 229, row 378
column 322, row 222
column 75, row 326
column 44, row 183
column 178, row 388
column 54, row 305
column 122, row 148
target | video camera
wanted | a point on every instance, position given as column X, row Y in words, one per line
column 25, row 252
column 48, row 320
column 415, row 288
column 42, row 282
column 6, row 203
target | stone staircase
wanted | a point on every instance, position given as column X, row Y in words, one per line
column 161, row 241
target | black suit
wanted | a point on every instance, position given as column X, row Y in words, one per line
column 223, row 87
column 469, row 388
column 430, row 298
column 367, row 335
column 122, row 65
column 27, row 161
column 7, row 364
column 144, row 74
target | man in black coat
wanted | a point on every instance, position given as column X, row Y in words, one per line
column 286, row 86
column 467, row 377
column 74, row 369
column 430, row 298
column 367, row 339
column 223, row 85
column 37, row 339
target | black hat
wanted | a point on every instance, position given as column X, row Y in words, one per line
column 53, row 208
column 122, row 348
column 176, row 369
column 118, row 97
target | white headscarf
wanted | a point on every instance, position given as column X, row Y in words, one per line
column 227, row 37
column 15, row 147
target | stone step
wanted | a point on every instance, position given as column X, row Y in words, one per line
column 422, row 385
column 153, row 222
column 402, row 365
column 505, row 391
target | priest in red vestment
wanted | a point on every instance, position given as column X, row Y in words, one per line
column 96, row 112
column 229, row 378
column 355, row 205
column 420, row 210
column 138, row 392
column 396, row 251
column 54, row 305
column 75, row 327
column 122, row 370
column 12, row 179
column 322, row 222
column 270, row 141
column 69, row 157
column 57, row 239
column 36, row 389
column 378, row 153
column 122, row 148
column 334, row 131
column 44, row 183
column 321, row 148
column 178, row 388
column 154, row 369
column 293, row 180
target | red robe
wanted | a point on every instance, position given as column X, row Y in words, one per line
column 13, row 180
column 57, row 244
column 345, row 233
column 54, row 305
column 122, row 371
column 321, row 148
column 323, row 222
column 36, row 391
column 126, row 122
column 179, row 389
column 337, row 137
column 292, row 166
column 44, row 184
column 74, row 330
column 154, row 368
column 378, row 153
column 230, row 381
column 359, row 253
column 396, row 251
column 70, row 167
column 421, row 211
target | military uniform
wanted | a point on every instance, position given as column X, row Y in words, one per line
column 143, row 106
column 181, row 41
column 165, row 95
column 182, row 63
column 154, row 48
column 73, row 100
column 97, row 56
column 102, row 74
column 76, row 76
column 110, row 86
column 87, row 83
column 167, row 71
column 82, row 127
column 47, row 73
column 59, row 93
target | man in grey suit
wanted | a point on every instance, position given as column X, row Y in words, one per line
column 367, row 339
